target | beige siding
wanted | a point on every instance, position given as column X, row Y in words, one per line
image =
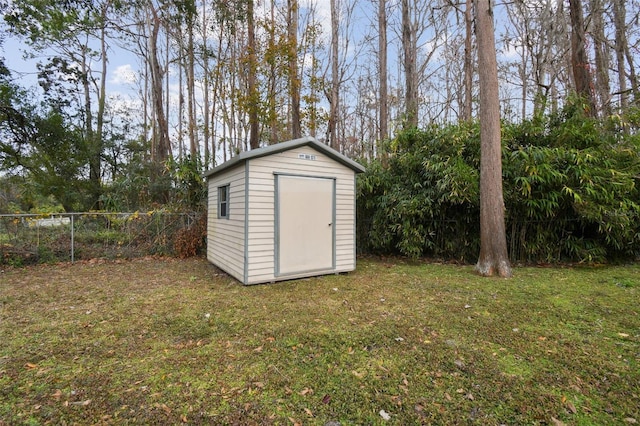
column 261, row 242
column 225, row 237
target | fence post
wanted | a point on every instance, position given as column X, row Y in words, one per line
column 72, row 243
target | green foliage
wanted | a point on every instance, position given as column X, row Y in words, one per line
column 570, row 187
column 413, row 205
column 189, row 187
column 179, row 185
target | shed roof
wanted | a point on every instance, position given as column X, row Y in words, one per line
column 285, row 146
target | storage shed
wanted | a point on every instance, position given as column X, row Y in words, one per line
column 282, row 212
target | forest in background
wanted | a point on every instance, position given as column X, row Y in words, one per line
column 212, row 79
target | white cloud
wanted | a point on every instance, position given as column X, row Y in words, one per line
column 124, row 74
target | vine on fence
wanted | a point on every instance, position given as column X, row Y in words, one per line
column 28, row 239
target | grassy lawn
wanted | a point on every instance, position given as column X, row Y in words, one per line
column 172, row 341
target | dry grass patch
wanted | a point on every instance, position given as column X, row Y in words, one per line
column 175, row 341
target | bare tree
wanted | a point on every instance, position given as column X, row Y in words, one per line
column 254, row 124
column 161, row 148
column 334, row 97
column 468, row 62
column 311, row 55
column 190, row 13
column 601, row 55
column 493, row 259
column 623, row 55
column 206, row 131
column 294, row 78
column 579, row 59
column 409, row 49
column 382, row 71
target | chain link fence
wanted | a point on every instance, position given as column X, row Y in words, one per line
column 30, row 238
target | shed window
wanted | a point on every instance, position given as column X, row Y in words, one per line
column 223, row 202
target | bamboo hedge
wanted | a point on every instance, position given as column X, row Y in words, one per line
column 570, row 182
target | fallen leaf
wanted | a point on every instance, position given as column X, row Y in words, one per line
column 571, row 407
column 623, row 335
column 30, row 366
column 357, row 374
column 306, row 391
column 630, row 420
column 385, row 416
column 556, row 422
column 309, row 412
column 326, row 399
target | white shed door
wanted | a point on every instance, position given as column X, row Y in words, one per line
column 305, row 224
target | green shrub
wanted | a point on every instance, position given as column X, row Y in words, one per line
column 570, row 187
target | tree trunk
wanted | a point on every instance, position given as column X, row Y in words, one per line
column 194, row 145
column 217, row 82
column 601, row 51
column 160, row 152
column 468, row 63
column 493, row 259
column 579, row 60
column 181, row 71
column 90, row 137
column 205, row 86
column 619, row 17
column 334, row 97
column 272, row 113
column 102, row 98
column 410, row 67
column 254, row 137
column 294, row 79
column 382, row 70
